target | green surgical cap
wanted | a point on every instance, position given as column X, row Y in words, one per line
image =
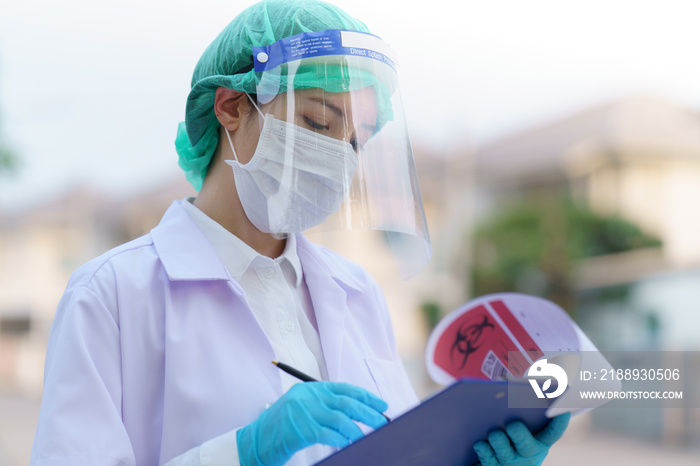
column 228, row 62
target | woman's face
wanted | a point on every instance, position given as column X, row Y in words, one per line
column 346, row 116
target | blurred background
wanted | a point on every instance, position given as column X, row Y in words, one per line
column 557, row 146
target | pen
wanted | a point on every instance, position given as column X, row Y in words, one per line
column 305, row 378
column 293, row 372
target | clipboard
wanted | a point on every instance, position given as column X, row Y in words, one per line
column 443, row 429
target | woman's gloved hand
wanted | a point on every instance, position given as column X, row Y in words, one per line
column 519, row 447
column 309, row 413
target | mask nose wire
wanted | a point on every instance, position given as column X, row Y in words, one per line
column 230, row 142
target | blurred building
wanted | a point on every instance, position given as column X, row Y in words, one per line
column 40, row 248
column 637, row 158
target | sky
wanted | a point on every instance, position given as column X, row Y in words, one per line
column 91, row 92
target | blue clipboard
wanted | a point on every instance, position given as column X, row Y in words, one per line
column 443, row 429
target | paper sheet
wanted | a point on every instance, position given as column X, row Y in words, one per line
column 503, row 335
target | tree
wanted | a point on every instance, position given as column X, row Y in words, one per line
column 531, row 247
column 8, row 162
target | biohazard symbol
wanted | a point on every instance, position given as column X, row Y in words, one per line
column 467, row 340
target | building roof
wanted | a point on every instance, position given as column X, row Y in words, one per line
column 638, row 124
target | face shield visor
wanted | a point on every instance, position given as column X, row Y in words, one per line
column 334, row 144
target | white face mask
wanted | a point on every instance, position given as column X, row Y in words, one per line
column 295, row 179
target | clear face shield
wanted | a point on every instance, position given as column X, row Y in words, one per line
column 334, row 151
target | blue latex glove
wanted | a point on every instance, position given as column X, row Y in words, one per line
column 519, row 447
column 309, row 413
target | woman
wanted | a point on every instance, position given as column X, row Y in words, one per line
column 161, row 349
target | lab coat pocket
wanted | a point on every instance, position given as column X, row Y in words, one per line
column 393, row 385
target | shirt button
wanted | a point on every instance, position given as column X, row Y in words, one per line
column 269, row 272
column 289, row 325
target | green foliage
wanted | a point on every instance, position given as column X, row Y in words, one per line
column 531, row 247
column 7, row 161
column 432, row 312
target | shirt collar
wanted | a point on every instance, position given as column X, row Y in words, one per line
column 236, row 255
column 290, row 255
column 186, row 253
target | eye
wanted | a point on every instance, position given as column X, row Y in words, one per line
column 315, row 126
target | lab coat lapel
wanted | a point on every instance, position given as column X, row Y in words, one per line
column 329, row 294
column 184, row 250
column 187, row 256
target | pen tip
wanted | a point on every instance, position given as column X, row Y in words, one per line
column 275, row 363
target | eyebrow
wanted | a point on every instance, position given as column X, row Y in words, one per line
column 338, row 111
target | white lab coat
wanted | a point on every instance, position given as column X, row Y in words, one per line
column 154, row 351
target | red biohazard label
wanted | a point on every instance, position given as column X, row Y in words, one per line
column 465, row 343
column 520, row 334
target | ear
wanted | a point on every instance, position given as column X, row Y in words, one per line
column 230, row 107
